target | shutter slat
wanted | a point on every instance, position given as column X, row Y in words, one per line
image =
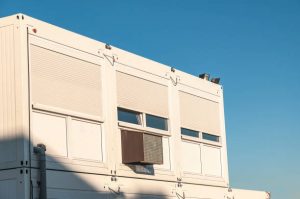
column 65, row 82
column 199, row 114
column 142, row 95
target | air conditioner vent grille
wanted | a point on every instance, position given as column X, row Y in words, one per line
column 153, row 151
column 139, row 147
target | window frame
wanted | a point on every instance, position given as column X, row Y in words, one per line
column 199, row 133
column 155, row 116
column 139, row 114
column 200, row 138
column 142, row 127
column 212, row 135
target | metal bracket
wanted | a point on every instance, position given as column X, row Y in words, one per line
column 175, row 79
column 113, row 187
column 180, row 196
column 117, row 191
column 179, row 182
column 112, row 59
column 114, row 175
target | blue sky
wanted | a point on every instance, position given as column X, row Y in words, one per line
column 254, row 46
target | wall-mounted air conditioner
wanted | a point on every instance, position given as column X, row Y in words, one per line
column 138, row 147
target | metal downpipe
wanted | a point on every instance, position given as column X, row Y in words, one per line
column 40, row 150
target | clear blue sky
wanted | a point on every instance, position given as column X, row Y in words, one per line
column 254, row 46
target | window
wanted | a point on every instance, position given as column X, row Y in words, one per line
column 199, row 113
column 196, row 135
column 210, row 137
column 156, row 122
column 129, row 116
column 135, row 117
column 189, row 132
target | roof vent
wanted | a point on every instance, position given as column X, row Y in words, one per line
column 215, row 80
column 204, row 76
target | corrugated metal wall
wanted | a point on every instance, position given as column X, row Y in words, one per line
column 7, row 93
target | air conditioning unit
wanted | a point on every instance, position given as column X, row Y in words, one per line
column 143, row 148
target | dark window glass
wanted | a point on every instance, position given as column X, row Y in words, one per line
column 189, row 132
column 210, row 137
column 156, row 122
column 128, row 116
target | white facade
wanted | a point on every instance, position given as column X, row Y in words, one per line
column 64, row 90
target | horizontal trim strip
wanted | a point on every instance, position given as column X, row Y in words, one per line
column 67, row 112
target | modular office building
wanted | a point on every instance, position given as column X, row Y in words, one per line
column 81, row 119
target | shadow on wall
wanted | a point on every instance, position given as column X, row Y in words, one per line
column 62, row 183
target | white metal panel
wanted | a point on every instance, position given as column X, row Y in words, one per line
column 50, row 130
column 191, row 157
column 85, row 140
column 199, row 113
column 7, row 95
column 72, row 185
column 139, row 196
column 13, row 184
column 249, row 194
column 143, row 188
column 196, row 191
column 211, row 160
column 72, row 144
column 75, row 194
column 66, row 82
column 8, row 189
column 142, row 95
column 166, row 155
column 63, row 185
column 60, row 35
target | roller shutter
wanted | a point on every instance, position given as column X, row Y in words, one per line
column 62, row 81
column 142, row 95
column 199, row 113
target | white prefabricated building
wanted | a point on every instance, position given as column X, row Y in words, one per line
column 114, row 124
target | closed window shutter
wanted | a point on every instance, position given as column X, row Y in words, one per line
column 142, row 95
column 199, row 114
column 65, row 82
